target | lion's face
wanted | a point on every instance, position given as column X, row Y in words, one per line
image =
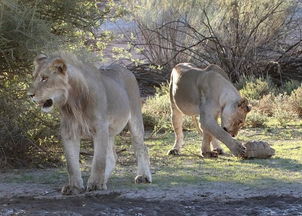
column 233, row 116
column 50, row 84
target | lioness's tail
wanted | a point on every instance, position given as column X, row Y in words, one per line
column 194, row 118
column 170, row 89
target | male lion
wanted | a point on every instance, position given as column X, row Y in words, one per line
column 92, row 103
column 208, row 93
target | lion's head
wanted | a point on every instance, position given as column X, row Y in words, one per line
column 233, row 116
column 50, row 84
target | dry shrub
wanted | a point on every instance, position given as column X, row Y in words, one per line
column 255, row 119
column 282, row 111
column 295, row 101
column 266, row 105
column 256, row 88
column 240, row 36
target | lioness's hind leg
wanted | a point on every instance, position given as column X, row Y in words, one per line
column 142, row 157
column 206, row 146
column 216, row 146
column 177, row 121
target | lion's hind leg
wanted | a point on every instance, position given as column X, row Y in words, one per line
column 110, row 159
column 136, row 128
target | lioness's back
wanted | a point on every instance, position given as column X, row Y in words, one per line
column 187, row 81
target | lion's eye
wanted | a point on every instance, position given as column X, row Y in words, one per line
column 44, row 78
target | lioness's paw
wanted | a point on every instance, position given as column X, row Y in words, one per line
column 211, row 154
column 219, row 151
column 71, row 190
column 239, row 150
column 173, row 152
column 95, row 186
column 142, row 179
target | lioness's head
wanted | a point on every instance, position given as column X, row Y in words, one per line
column 233, row 116
column 50, row 82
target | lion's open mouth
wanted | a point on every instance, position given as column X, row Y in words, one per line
column 48, row 103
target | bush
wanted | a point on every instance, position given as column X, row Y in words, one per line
column 295, row 101
column 255, row 88
column 266, row 105
column 240, row 36
column 28, row 137
column 255, row 119
column 290, row 86
column 282, row 111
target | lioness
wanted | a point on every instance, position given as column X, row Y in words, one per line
column 208, row 93
column 92, row 103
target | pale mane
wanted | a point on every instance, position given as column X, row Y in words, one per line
column 80, row 100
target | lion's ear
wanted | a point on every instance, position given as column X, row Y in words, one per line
column 59, row 65
column 243, row 104
column 40, row 59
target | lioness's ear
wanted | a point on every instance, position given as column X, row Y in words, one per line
column 40, row 59
column 59, row 65
column 244, row 105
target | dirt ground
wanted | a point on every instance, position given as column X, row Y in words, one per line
column 207, row 199
column 112, row 204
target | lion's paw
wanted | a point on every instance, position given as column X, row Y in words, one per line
column 142, row 179
column 173, row 152
column 211, row 154
column 71, row 190
column 95, row 186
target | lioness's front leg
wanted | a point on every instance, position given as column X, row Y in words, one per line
column 97, row 179
column 209, row 124
column 72, row 152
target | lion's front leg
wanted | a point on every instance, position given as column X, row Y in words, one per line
column 97, row 179
column 72, row 152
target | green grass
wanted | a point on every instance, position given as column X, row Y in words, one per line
column 190, row 169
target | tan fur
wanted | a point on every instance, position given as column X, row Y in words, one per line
column 208, row 93
column 93, row 103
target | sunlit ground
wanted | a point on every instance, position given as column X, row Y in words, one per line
column 190, row 169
